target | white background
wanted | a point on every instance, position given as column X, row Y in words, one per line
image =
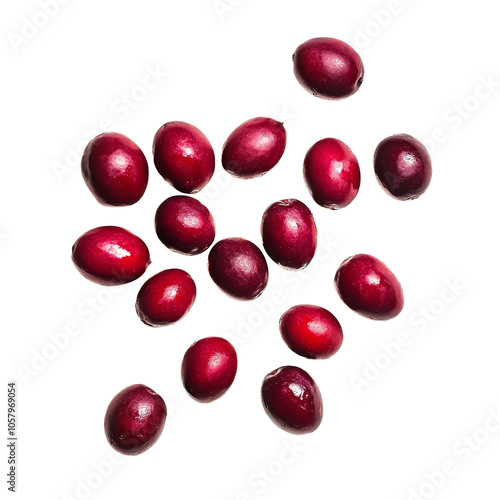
column 226, row 64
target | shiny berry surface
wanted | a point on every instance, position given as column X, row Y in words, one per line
column 115, row 170
column 403, row 166
column 238, row 268
column 185, row 225
column 254, row 147
column 328, row 68
column 369, row 287
column 135, row 419
column 110, row 255
column 289, row 234
column 166, row 297
column 311, row 331
column 292, row 400
column 208, row 369
column 331, row 173
column 183, row 156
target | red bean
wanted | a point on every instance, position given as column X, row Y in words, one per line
column 311, row 331
column 331, row 172
column 289, row 234
column 208, row 369
column 166, row 297
column 292, row 400
column 254, row 148
column 403, row 166
column 328, row 68
column 183, row 156
column 369, row 287
column 115, row 170
column 135, row 419
column 238, row 268
column 185, row 225
column 110, row 255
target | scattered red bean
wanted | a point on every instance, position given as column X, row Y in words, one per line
column 254, row 148
column 311, row 331
column 331, row 172
column 110, row 255
column 183, row 156
column 403, row 166
column 185, row 225
column 135, row 419
column 208, row 369
column 289, row 234
column 369, row 287
column 328, row 68
column 115, row 170
column 292, row 400
column 238, row 268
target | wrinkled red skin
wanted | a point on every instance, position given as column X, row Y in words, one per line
column 368, row 286
column 289, row 234
column 238, row 268
column 311, row 331
column 208, row 369
column 292, row 400
column 115, row 170
column 254, row 148
column 328, row 68
column 165, row 298
column 403, row 166
column 185, row 225
column 183, row 156
column 331, row 173
column 110, row 255
column 135, row 419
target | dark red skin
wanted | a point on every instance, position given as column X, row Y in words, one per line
column 292, row 400
column 254, row 148
column 328, row 68
column 110, row 255
column 185, row 225
column 135, row 419
column 238, row 268
column 289, row 234
column 208, row 369
column 368, row 286
column 331, row 173
column 403, row 166
column 311, row 331
column 183, row 156
column 165, row 298
column 115, row 170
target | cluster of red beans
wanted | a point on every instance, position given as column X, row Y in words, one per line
column 116, row 172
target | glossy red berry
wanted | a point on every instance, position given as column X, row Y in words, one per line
column 403, row 166
column 311, row 331
column 183, row 156
column 135, row 419
column 369, row 287
column 208, row 369
column 328, row 68
column 331, row 173
column 166, row 297
column 238, row 268
column 115, row 170
column 185, row 225
column 110, row 255
column 292, row 400
column 289, row 234
column 254, row 147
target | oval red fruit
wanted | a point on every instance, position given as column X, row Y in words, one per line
column 110, row 255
